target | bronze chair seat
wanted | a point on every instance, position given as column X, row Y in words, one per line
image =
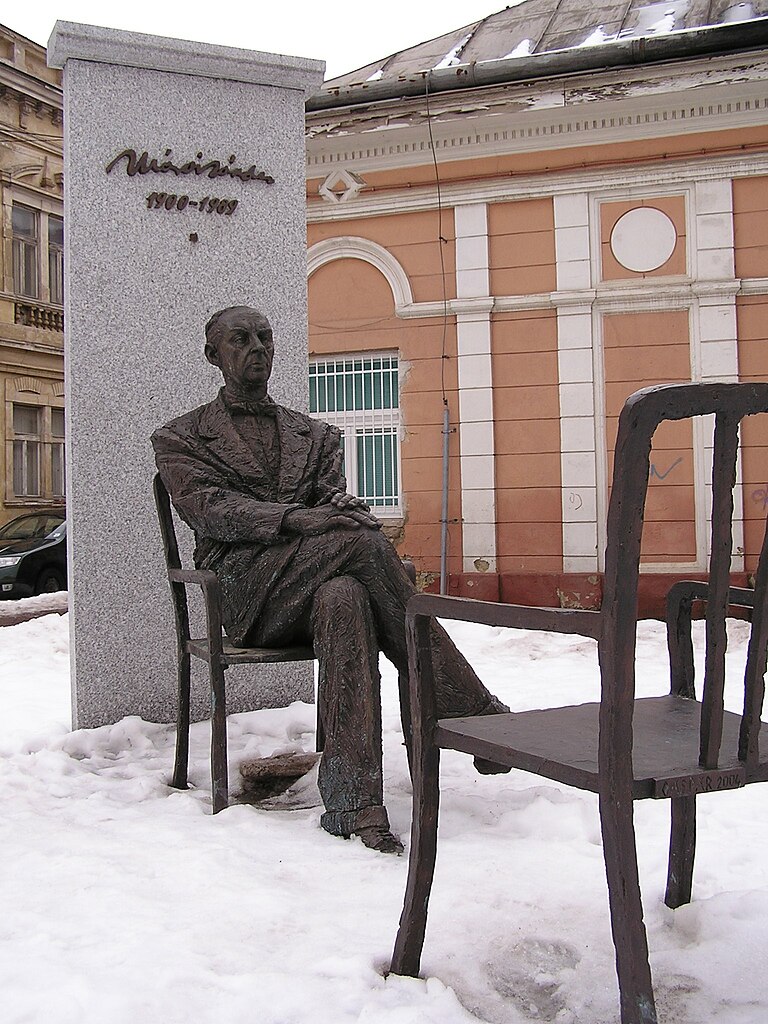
column 201, row 648
column 562, row 744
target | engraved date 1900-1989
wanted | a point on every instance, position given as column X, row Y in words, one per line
column 208, row 204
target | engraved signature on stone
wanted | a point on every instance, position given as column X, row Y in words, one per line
column 135, row 164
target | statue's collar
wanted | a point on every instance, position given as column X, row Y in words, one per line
column 236, row 406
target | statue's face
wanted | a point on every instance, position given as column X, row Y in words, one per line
column 244, row 348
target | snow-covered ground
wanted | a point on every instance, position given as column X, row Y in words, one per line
column 122, row 900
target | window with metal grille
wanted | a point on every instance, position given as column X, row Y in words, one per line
column 360, row 394
column 26, row 278
column 27, row 442
column 56, row 259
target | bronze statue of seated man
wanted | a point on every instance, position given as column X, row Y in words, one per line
column 300, row 560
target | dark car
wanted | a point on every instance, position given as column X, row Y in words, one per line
column 33, row 554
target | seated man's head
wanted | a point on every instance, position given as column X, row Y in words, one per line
column 239, row 341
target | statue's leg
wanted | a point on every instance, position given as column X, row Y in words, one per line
column 375, row 563
column 459, row 693
column 350, row 775
column 368, row 557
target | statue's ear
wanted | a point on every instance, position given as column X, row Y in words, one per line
column 211, row 354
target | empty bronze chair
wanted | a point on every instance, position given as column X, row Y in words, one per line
column 624, row 749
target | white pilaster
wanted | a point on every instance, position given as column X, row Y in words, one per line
column 578, row 456
column 476, row 436
column 715, row 324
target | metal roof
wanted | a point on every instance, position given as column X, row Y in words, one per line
column 534, row 27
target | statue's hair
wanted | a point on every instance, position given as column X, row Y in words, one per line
column 212, row 328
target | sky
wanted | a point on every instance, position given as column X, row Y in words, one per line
column 347, row 36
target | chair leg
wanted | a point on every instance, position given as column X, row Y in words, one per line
column 629, row 938
column 319, row 733
column 219, row 771
column 319, row 727
column 405, row 717
column 181, row 760
column 406, row 957
column 682, row 849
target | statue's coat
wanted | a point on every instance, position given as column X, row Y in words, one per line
column 233, row 504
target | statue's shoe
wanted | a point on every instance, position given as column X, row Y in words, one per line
column 377, row 837
column 484, row 767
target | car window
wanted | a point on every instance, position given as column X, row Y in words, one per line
column 52, row 524
column 22, row 529
column 27, row 527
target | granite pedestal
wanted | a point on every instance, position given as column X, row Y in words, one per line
column 184, row 193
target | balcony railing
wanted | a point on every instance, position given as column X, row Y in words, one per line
column 47, row 318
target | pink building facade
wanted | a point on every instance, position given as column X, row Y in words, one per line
column 527, row 256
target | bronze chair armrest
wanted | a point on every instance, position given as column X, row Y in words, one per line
column 209, row 583
column 515, row 616
column 203, row 577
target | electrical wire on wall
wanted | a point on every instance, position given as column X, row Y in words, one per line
column 441, row 241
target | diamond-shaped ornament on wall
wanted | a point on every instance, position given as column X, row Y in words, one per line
column 341, row 186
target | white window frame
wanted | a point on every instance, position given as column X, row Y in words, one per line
column 21, row 244
column 45, row 396
column 24, row 442
column 43, row 207
column 55, row 263
column 58, row 454
column 355, row 423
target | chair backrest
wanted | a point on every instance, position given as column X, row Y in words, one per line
column 642, row 414
column 165, row 517
column 172, row 558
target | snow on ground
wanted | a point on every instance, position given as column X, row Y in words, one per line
column 124, row 900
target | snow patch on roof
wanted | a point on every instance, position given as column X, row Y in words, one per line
column 739, row 12
column 523, row 49
column 452, row 58
column 597, row 36
column 657, row 19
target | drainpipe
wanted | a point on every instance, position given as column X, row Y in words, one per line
column 444, row 516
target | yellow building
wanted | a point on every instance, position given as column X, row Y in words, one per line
column 31, row 279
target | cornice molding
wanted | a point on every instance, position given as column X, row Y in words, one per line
column 754, row 286
column 75, row 41
column 539, row 300
column 589, row 109
column 29, row 346
column 653, row 294
column 20, row 87
column 547, row 183
column 476, row 307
